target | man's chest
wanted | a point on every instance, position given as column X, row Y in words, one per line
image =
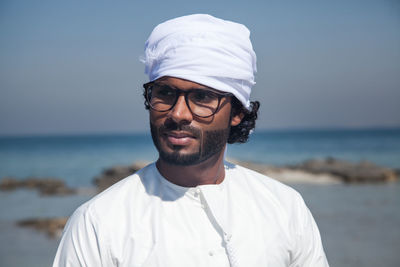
column 190, row 234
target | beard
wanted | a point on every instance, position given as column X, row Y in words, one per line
column 211, row 143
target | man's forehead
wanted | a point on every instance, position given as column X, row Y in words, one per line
column 182, row 83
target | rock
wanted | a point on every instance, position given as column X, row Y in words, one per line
column 46, row 186
column 114, row 174
column 362, row 172
column 9, row 183
column 397, row 171
column 316, row 171
column 290, row 175
column 51, row 226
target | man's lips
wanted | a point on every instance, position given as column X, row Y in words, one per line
column 179, row 138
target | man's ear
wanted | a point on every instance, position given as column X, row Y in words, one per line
column 237, row 119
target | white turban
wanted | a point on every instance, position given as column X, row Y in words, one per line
column 203, row 49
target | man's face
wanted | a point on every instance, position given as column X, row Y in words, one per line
column 184, row 139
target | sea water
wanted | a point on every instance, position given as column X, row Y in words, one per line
column 77, row 159
column 359, row 224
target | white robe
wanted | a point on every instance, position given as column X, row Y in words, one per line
column 145, row 220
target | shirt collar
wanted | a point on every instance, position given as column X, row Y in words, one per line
column 191, row 192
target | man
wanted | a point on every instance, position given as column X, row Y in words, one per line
column 191, row 208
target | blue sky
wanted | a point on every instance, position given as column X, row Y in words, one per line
column 73, row 66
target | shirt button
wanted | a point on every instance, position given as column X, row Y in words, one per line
column 227, row 237
column 211, row 253
column 197, row 192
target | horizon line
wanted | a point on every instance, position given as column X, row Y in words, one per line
column 141, row 132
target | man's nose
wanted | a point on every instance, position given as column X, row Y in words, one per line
column 181, row 113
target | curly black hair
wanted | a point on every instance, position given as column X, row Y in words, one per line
column 239, row 133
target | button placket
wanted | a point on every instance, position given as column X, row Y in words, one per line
column 227, row 237
column 197, row 193
column 203, row 204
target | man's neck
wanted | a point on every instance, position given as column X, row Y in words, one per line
column 210, row 171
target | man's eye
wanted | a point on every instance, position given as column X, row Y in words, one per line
column 164, row 92
column 203, row 96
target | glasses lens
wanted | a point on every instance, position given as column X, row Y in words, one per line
column 203, row 103
column 161, row 98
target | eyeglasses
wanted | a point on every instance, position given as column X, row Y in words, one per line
column 201, row 102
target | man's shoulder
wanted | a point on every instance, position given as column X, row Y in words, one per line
column 121, row 195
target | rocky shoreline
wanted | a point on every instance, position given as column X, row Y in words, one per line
column 114, row 174
column 46, row 186
column 317, row 171
column 327, row 171
column 53, row 227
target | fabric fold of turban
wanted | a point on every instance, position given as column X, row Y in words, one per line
column 203, row 49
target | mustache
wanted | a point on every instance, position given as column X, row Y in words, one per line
column 173, row 126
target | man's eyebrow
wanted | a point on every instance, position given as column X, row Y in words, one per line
column 161, row 83
column 164, row 85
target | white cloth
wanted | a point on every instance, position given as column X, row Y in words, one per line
column 203, row 49
column 144, row 220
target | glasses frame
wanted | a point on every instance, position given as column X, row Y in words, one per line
column 147, row 87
